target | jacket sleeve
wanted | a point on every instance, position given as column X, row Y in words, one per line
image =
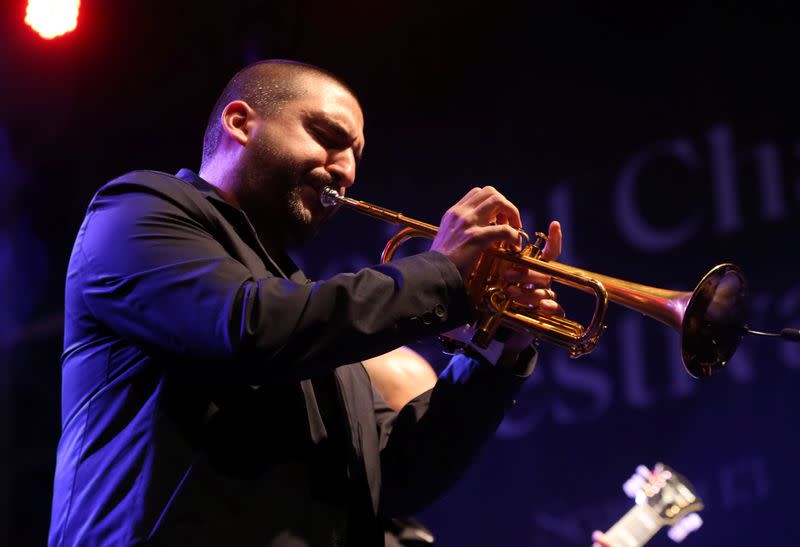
column 431, row 442
column 153, row 272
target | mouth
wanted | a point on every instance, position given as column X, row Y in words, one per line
column 312, row 200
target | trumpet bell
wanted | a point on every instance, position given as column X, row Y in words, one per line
column 714, row 320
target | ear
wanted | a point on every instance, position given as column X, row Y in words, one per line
column 237, row 120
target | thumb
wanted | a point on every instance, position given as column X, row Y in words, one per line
column 552, row 250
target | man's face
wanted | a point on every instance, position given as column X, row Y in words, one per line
column 312, row 141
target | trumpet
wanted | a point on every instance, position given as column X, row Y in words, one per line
column 710, row 319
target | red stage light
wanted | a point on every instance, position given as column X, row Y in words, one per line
column 51, row 18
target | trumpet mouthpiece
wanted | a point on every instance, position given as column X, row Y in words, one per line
column 329, row 197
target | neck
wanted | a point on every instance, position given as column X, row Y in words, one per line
column 635, row 528
column 227, row 195
column 230, row 184
column 222, row 180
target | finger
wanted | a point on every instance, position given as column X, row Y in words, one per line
column 489, row 204
column 501, row 218
column 494, row 206
column 468, row 196
column 552, row 250
column 465, row 207
column 528, row 297
column 475, row 198
column 485, row 235
column 523, row 276
column 459, row 208
column 541, row 299
column 551, row 307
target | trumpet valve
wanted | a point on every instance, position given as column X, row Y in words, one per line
column 537, row 246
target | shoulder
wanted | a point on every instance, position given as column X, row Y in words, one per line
column 149, row 181
column 152, row 189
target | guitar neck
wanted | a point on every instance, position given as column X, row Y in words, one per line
column 635, row 528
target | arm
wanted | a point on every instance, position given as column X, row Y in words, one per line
column 436, row 436
column 156, row 274
column 439, row 448
column 428, row 445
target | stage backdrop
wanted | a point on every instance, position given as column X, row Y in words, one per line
column 661, row 211
column 665, row 140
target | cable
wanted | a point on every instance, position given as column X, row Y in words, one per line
column 792, row 335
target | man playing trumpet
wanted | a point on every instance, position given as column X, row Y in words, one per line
column 213, row 395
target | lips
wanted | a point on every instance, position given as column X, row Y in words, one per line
column 313, row 184
column 311, row 201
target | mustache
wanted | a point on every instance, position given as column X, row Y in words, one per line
column 321, row 180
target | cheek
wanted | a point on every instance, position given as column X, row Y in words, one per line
column 297, row 147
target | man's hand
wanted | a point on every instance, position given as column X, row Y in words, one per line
column 526, row 287
column 533, row 288
column 479, row 219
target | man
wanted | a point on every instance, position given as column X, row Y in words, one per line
column 210, row 395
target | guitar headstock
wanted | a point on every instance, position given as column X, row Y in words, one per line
column 669, row 495
column 663, row 498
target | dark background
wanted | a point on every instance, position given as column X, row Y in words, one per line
column 558, row 104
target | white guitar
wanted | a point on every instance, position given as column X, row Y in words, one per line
column 663, row 498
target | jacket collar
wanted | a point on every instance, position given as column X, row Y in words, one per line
column 290, row 270
column 202, row 186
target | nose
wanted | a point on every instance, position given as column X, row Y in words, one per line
column 342, row 166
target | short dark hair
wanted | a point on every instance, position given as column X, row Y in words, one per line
column 266, row 86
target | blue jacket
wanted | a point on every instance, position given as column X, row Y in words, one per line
column 189, row 415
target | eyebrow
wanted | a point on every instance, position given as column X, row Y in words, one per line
column 341, row 132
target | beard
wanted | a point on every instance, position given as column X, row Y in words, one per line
column 282, row 199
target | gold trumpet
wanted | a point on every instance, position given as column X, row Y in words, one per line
column 710, row 319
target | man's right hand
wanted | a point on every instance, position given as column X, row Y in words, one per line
column 479, row 219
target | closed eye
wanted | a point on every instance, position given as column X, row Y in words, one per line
column 331, row 134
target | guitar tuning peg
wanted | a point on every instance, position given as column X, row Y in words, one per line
column 692, row 521
column 633, row 485
column 644, row 471
column 684, row 527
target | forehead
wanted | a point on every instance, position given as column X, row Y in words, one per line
column 320, row 96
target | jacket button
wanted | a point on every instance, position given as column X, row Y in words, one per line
column 427, row 318
column 440, row 311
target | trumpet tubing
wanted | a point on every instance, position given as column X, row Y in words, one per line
column 710, row 319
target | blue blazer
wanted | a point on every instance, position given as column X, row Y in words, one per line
column 189, row 410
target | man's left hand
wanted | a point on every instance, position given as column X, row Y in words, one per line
column 533, row 288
